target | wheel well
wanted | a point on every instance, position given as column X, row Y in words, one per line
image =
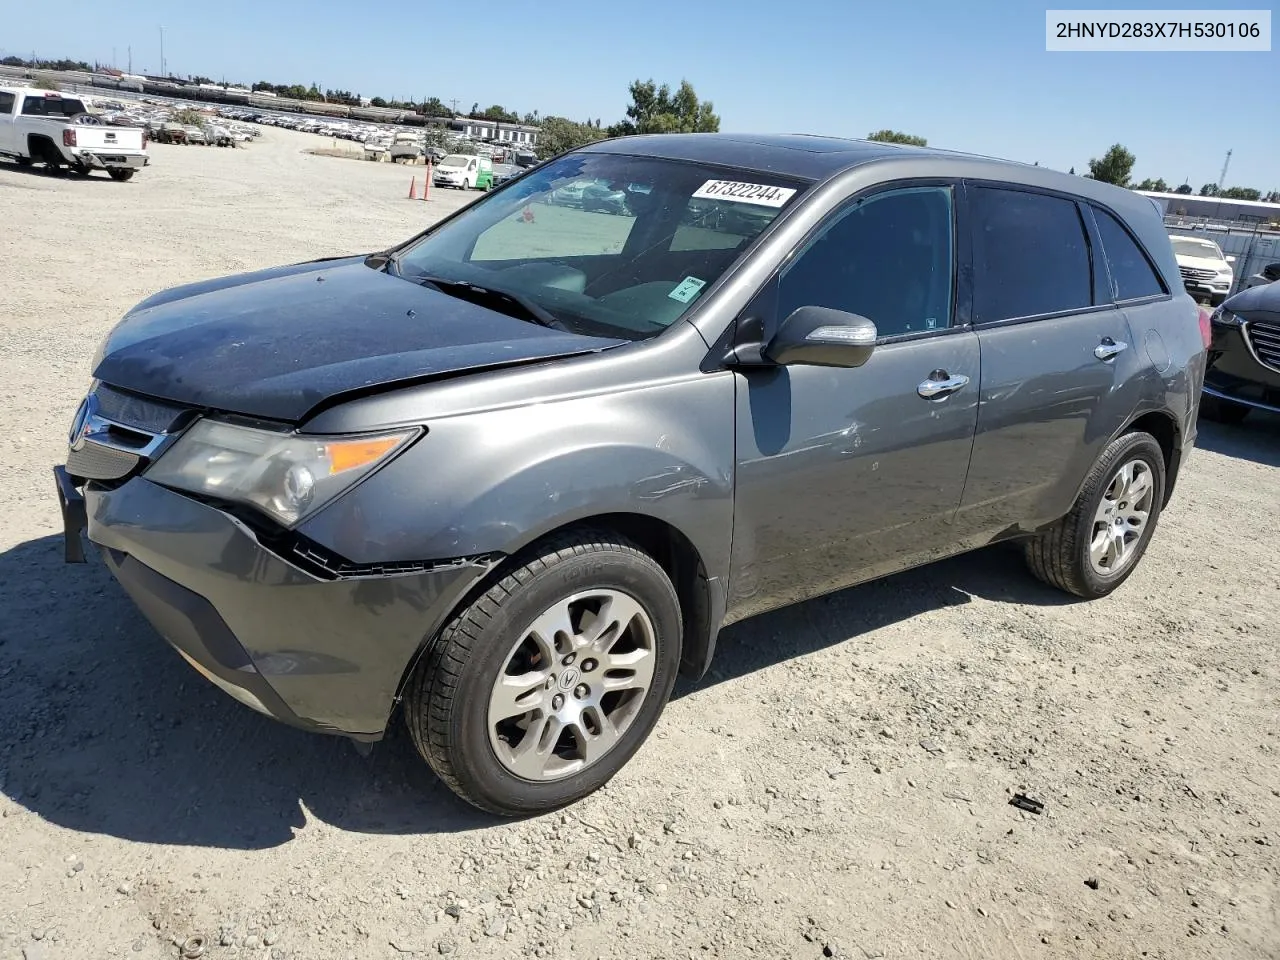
column 34, row 142
column 1165, row 430
column 680, row 559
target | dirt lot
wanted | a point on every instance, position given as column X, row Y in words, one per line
column 839, row 786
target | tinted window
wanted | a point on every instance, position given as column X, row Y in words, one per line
column 1030, row 255
column 34, row 106
column 6, row 102
column 888, row 258
column 1131, row 273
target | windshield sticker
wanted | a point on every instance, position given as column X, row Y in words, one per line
column 687, row 289
column 760, row 194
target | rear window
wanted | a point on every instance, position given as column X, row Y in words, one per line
column 1031, row 256
column 1132, row 275
column 38, row 106
column 6, row 102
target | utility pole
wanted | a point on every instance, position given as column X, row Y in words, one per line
column 162, row 70
column 113, row 58
column 453, row 104
column 1222, row 177
column 130, row 59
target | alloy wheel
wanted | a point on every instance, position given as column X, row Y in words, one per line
column 1121, row 518
column 572, row 684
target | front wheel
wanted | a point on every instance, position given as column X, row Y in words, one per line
column 541, row 689
column 120, row 174
column 1095, row 547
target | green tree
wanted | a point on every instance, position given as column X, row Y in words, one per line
column 1156, row 186
column 1209, row 190
column 531, row 118
column 1242, row 193
column 655, row 109
column 1272, row 197
column 558, row 134
column 895, row 136
column 1185, row 189
column 377, row 102
column 432, row 107
column 1072, row 171
column 1114, row 167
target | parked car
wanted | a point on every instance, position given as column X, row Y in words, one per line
column 1204, row 268
column 46, row 127
column 1244, row 358
column 464, row 171
column 1268, row 274
column 522, row 493
column 602, row 198
column 195, row 134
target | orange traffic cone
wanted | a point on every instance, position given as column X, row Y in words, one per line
column 413, row 189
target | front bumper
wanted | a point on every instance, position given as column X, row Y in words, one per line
column 1236, row 373
column 323, row 654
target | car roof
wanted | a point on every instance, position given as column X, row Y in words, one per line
column 811, row 157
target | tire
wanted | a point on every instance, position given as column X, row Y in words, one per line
column 1222, row 411
column 121, row 174
column 50, row 157
column 447, row 703
column 1061, row 556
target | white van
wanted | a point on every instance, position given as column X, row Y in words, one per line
column 464, row 171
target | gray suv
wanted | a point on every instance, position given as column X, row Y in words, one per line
column 515, row 475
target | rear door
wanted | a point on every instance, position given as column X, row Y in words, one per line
column 1056, row 351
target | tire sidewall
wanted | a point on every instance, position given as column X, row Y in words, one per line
column 1133, row 446
column 475, row 762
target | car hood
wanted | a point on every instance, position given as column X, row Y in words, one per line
column 1202, row 263
column 277, row 343
column 1257, row 303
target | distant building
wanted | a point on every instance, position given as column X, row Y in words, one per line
column 516, row 134
column 1215, row 208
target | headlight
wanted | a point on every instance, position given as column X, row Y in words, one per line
column 1224, row 318
column 286, row 475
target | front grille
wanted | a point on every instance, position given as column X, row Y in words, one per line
column 94, row 462
column 1265, row 340
column 131, row 410
column 1197, row 273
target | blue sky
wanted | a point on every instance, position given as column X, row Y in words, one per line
column 968, row 76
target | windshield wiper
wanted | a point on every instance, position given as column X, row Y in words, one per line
column 524, row 308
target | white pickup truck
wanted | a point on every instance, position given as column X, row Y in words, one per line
column 47, row 127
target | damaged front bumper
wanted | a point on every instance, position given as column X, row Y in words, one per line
column 325, row 654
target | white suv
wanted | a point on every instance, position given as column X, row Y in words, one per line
column 1203, row 267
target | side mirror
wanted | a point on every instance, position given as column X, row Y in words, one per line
column 823, row 337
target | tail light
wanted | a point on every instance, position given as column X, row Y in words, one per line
column 1206, row 327
column 68, row 138
column 144, row 139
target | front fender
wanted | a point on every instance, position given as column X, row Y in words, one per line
column 494, row 481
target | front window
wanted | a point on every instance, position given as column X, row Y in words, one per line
column 456, row 162
column 604, row 244
column 1201, row 249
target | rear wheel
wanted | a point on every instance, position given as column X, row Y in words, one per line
column 120, row 174
column 50, row 157
column 1222, row 411
column 1095, row 547
column 540, row 690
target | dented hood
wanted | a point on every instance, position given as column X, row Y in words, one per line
column 279, row 342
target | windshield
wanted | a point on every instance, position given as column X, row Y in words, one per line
column 607, row 245
column 1196, row 248
column 455, row 161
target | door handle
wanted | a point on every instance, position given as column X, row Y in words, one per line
column 939, row 386
column 1108, row 348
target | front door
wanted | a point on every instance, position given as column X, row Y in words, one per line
column 847, row 474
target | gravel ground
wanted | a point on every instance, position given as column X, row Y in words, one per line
column 839, row 786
